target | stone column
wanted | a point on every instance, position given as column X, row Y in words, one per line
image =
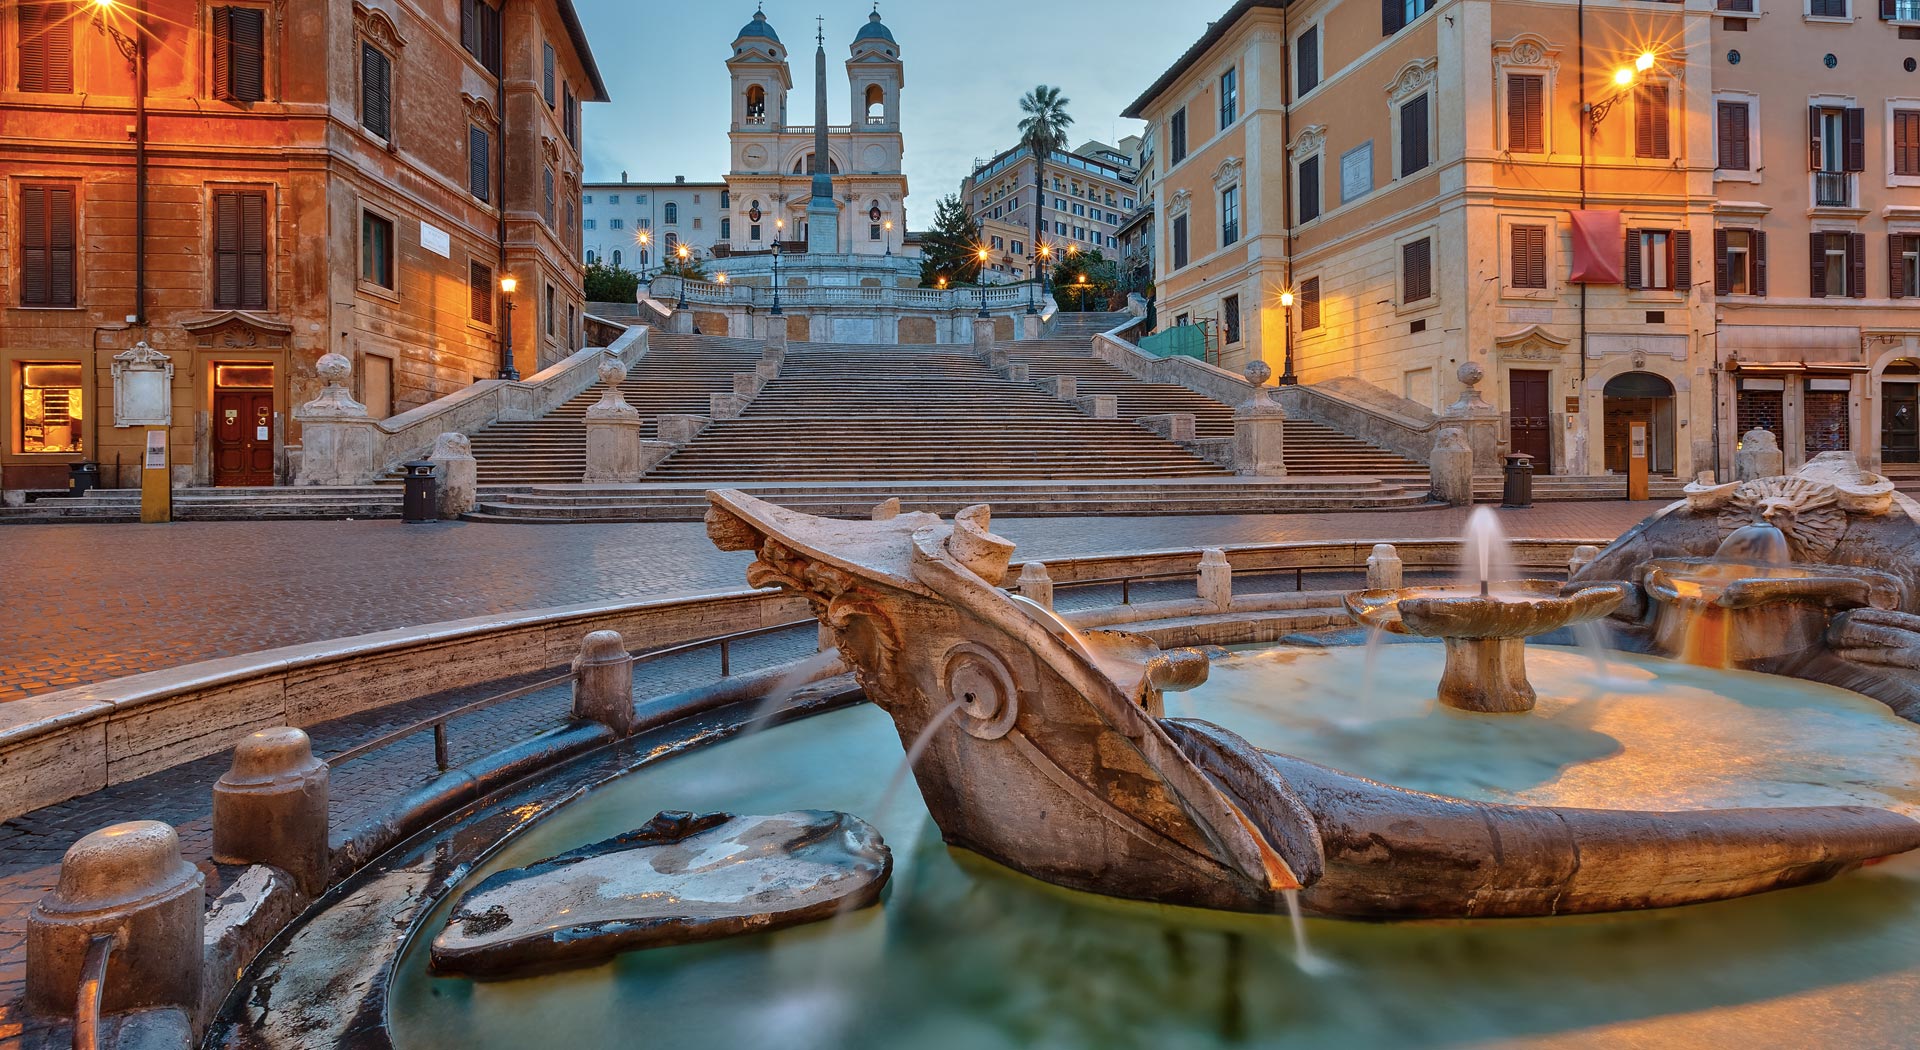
column 1477, row 420
column 458, row 472
column 1260, row 438
column 1385, row 570
column 1216, row 579
column 127, row 882
column 340, row 443
column 613, row 432
column 1759, row 456
column 603, row 682
column 1035, row 583
column 680, row 322
column 1451, row 466
column 271, row 808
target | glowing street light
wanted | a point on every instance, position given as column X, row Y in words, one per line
column 1287, row 378
column 982, row 278
column 508, row 285
column 681, row 253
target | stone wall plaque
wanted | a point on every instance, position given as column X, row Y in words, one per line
column 142, row 388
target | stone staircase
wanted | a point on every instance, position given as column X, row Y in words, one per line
column 862, row 413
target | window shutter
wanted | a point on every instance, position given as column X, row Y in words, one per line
column 1817, row 264
column 490, row 37
column 36, row 267
column 1308, row 61
column 1633, row 259
column 253, row 251
column 1896, row 266
column 223, row 52
column 1180, row 241
column 1757, row 251
column 480, row 292
column 1413, row 136
column 1856, row 140
column 1888, row 10
column 470, row 26
column 1309, row 189
column 479, row 180
column 376, row 91
column 1733, row 132
column 1650, row 121
column 546, row 184
column 61, row 240
column 46, row 48
column 1416, row 265
column 1813, row 138
column 1722, row 271
column 226, row 250
column 1393, row 17
column 246, row 72
column 1906, row 142
column 1537, row 257
column 1857, row 265
column 1525, row 95
column 547, row 77
column 1680, row 242
column 1310, row 304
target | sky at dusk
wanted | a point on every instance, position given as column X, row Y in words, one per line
column 967, row 65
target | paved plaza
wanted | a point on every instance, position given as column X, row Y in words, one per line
column 86, row 603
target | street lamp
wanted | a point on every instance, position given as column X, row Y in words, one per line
column 1080, row 294
column 507, row 371
column 643, row 239
column 681, row 254
column 889, row 226
column 1623, row 78
column 982, row 278
column 1046, row 270
column 776, row 277
column 1287, row 378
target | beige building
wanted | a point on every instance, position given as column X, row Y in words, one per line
column 1089, row 196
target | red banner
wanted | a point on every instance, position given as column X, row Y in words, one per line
column 1597, row 248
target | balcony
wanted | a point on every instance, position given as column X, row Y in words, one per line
column 1832, row 189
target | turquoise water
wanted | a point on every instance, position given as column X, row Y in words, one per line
column 963, row 954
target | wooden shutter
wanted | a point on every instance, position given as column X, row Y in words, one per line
column 1857, row 265
column 1413, row 136
column 1309, row 189
column 223, row 53
column 546, row 183
column 1633, row 259
column 479, row 166
column 253, row 251
column 1733, row 135
column 1856, row 140
column 226, row 250
column 247, row 54
column 240, row 251
column 1416, row 266
column 1650, row 121
column 1817, row 264
column 1813, row 138
column 1757, row 253
column 547, row 73
column 1889, row 10
column 1680, row 244
column 1722, row 270
column 1906, row 142
column 490, row 37
column 1393, row 17
column 480, row 292
column 376, row 91
column 46, row 48
column 47, row 246
column 1308, row 60
column 1310, row 304
column 1179, row 241
column 1526, row 104
column 1896, row 266
column 470, row 26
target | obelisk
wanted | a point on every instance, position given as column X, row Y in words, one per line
column 823, row 213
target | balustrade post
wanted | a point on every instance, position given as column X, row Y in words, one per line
column 1036, row 584
column 1385, row 570
column 1216, row 579
column 603, row 682
column 271, row 808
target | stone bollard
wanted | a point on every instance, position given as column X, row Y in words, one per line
column 982, row 336
column 1216, row 579
column 128, row 882
column 1101, row 406
column 680, row 322
column 1260, row 438
column 747, row 385
column 458, row 472
column 768, row 369
column 1759, row 456
column 999, row 362
column 1583, row 556
column 613, row 432
column 887, row 509
column 1066, row 388
column 1019, row 373
column 680, row 429
column 1035, row 584
column 603, row 682
column 271, row 808
column 1451, row 468
column 1030, row 327
column 1385, row 570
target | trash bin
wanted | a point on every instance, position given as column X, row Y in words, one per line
column 82, row 478
column 422, row 500
column 1519, row 490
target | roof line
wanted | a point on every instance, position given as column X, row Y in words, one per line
column 1215, row 31
column 579, row 34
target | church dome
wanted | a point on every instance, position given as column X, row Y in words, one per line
column 760, row 27
column 874, row 30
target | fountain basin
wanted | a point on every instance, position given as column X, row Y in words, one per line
column 1718, row 613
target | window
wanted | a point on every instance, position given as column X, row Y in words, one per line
column 1177, row 136
column 1903, row 254
column 376, row 250
column 1827, row 8
column 376, row 91
column 614, row 198
column 1529, row 257
column 1838, row 265
column 1229, row 216
column 590, row 223
column 48, row 252
column 1659, row 260
column 1906, row 142
column 672, row 242
column 1413, row 136
column 546, row 186
column 240, row 250
column 616, row 256
column 1229, row 98
column 480, row 290
column 1306, row 69
column 1836, row 148
column 873, row 233
column 1356, row 173
column 567, row 225
column 616, row 223
column 1179, row 241
column 239, row 54
column 753, row 232
column 550, row 311
column 1526, row 113
column 1740, row 262
column 1309, row 189
column 726, row 198
column 49, row 406
column 1416, row 270
column 726, row 229
column 571, row 115
column 672, row 214
column 1395, row 14
column 547, row 73
column 46, row 47
column 479, row 163
column 1650, row 115
column 1732, row 132
column 1230, row 319
column 480, row 33
column 1309, row 300
column 1900, row 11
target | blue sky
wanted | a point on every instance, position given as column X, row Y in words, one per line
column 967, row 65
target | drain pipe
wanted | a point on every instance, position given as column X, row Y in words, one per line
column 1287, row 377
column 1585, row 132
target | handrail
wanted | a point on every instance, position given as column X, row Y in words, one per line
column 1126, row 582
column 93, row 991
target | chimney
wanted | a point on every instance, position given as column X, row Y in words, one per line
column 679, row 180
column 623, row 176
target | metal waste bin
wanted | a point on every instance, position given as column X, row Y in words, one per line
column 82, row 477
column 422, row 500
column 1519, row 490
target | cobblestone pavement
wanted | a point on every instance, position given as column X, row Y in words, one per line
column 85, row 603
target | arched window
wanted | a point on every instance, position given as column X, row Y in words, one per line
column 673, row 214
column 804, row 166
column 589, row 256
column 756, row 104
column 616, row 256
column 876, row 104
column 673, row 241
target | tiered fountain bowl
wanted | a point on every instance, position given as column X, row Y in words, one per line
column 1485, row 629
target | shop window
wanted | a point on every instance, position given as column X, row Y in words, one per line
column 1826, row 409
column 49, row 406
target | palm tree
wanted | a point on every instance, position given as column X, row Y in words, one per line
column 1042, row 130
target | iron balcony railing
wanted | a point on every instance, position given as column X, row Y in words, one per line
column 1832, row 188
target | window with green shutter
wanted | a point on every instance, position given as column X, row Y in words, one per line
column 376, row 91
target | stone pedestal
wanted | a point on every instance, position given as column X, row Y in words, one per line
column 1759, row 456
column 1066, row 388
column 127, row 882
column 1101, row 406
column 613, row 433
column 1385, row 570
column 681, row 429
column 271, row 808
column 725, row 406
column 341, row 444
column 458, row 472
column 1451, row 467
column 1260, row 438
column 1035, row 583
column 746, row 385
column 1030, row 326
column 1583, row 556
column 680, row 322
column 1215, row 585
column 1487, row 675
column 777, row 334
column 1477, row 420
column 768, row 367
column 983, row 336
column 603, row 682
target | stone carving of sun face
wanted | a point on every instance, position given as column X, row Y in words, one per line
column 1806, row 511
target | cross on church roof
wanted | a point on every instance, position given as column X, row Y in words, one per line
column 822, row 35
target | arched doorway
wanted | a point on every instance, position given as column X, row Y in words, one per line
column 1900, row 412
column 1638, row 397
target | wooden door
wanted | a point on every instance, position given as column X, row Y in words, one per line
column 243, row 437
column 1530, row 417
column 1900, row 423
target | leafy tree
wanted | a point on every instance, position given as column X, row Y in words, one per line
column 1042, row 131
column 948, row 250
column 692, row 269
column 607, row 283
column 1102, row 277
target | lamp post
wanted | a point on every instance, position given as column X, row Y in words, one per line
column 889, row 227
column 1080, row 294
column 681, row 254
column 507, row 371
column 643, row 239
column 1046, row 270
column 1287, row 378
column 981, row 277
column 776, row 277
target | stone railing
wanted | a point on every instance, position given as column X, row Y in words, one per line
column 708, row 293
column 1346, row 405
column 342, row 445
column 1198, row 376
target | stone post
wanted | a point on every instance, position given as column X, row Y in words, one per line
column 678, row 429
column 613, row 432
column 768, row 368
column 746, row 385
column 680, row 322
column 1019, row 373
column 1583, row 556
column 1260, row 438
column 127, row 882
column 999, row 361
column 1101, row 406
column 1476, row 419
column 1034, row 583
column 1216, row 579
column 725, row 406
column 777, row 334
column 1451, row 466
column 1759, row 456
column 1030, row 326
column 1181, row 426
column 603, row 682
column 1385, row 570
column 983, row 336
column 1066, row 388
column 271, row 808
column 458, row 472
column 340, row 443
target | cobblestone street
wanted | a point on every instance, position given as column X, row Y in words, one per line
column 85, row 603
